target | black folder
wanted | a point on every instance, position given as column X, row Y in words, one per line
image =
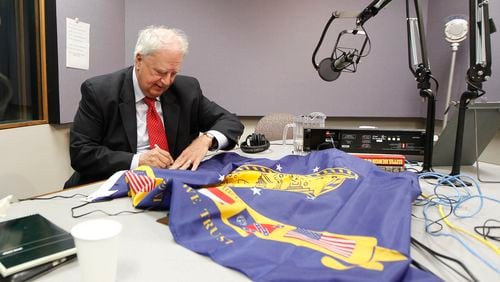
column 32, row 241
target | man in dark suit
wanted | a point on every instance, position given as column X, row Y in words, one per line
column 110, row 131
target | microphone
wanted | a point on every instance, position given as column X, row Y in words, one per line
column 329, row 69
column 342, row 59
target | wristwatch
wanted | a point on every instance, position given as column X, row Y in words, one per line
column 215, row 144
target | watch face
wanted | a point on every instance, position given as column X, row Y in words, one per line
column 456, row 30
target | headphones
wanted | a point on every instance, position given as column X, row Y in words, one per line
column 255, row 143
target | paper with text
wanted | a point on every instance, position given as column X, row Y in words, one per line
column 77, row 44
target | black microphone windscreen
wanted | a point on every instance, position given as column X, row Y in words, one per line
column 344, row 61
column 326, row 70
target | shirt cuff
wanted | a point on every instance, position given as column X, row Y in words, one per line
column 222, row 140
column 135, row 161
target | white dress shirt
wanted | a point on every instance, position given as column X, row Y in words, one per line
column 142, row 132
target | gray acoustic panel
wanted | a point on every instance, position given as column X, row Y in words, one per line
column 483, row 118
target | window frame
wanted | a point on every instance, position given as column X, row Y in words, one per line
column 47, row 76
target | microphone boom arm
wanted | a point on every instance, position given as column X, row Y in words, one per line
column 478, row 72
column 370, row 11
column 422, row 72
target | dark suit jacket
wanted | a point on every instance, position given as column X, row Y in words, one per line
column 103, row 137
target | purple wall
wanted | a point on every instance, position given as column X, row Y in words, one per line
column 106, row 46
column 254, row 57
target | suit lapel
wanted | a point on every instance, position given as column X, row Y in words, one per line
column 128, row 111
column 171, row 112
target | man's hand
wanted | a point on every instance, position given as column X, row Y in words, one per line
column 193, row 154
column 156, row 157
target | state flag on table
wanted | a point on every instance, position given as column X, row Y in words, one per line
column 327, row 216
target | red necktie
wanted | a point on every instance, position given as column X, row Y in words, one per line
column 156, row 131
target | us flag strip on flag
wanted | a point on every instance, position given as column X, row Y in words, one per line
column 216, row 195
column 139, row 183
column 341, row 246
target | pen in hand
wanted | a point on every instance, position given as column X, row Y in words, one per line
column 167, row 154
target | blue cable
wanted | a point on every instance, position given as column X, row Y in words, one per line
column 462, row 194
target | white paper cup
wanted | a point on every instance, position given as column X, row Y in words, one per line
column 96, row 243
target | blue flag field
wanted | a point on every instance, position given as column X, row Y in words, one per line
column 327, row 216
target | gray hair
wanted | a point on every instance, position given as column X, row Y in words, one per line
column 154, row 38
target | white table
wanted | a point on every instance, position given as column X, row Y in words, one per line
column 453, row 248
column 149, row 253
column 147, row 249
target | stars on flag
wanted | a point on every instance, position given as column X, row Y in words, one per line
column 316, row 169
column 256, row 191
column 221, row 177
column 278, row 167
